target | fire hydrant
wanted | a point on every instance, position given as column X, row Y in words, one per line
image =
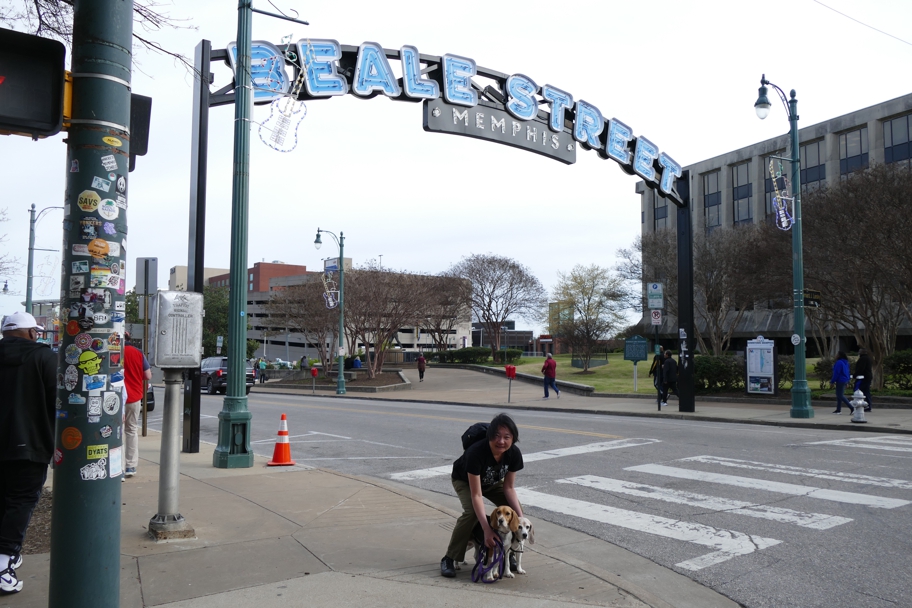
column 859, row 403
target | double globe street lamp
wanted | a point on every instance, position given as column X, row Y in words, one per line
column 340, row 240
column 801, row 394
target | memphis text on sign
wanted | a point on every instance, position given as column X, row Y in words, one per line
column 332, row 70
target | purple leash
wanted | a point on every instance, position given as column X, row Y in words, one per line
column 480, row 570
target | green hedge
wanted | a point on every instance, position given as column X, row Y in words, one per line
column 472, row 354
column 513, row 355
column 898, row 370
column 718, row 373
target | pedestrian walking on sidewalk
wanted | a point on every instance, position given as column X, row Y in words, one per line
column 422, row 364
column 28, row 375
column 136, row 373
column 655, row 370
column 261, row 371
column 669, row 377
column 549, row 369
column 487, row 469
column 864, row 374
column 839, row 380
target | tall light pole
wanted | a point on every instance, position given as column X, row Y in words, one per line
column 340, row 379
column 801, row 394
column 33, row 219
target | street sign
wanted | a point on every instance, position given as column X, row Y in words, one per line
column 655, row 296
column 218, row 345
column 811, row 298
column 635, row 349
column 656, row 316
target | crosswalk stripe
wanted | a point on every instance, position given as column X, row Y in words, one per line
column 885, row 482
column 861, row 443
column 772, row 486
column 817, row 521
column 727, row 543
column 533, row 457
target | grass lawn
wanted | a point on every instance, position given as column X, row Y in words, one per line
column 617, row 376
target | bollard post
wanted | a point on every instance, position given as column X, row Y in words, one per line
column 168, row 523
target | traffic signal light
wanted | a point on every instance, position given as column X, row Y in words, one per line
column 31, row 84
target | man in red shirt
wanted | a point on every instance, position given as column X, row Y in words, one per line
column 136, row 373
column 549, row 369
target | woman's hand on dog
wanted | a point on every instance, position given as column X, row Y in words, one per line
column 489, row 535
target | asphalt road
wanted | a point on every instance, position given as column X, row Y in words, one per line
column 768, row 516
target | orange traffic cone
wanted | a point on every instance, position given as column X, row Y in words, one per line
column 281, row 457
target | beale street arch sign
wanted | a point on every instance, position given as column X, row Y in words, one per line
column 459, row 98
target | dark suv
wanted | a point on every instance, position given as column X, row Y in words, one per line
column 214, row 375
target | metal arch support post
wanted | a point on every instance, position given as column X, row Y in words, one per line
column 340, row 380
column 685, row 298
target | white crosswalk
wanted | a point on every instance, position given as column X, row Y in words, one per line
column 726, row 543
column 889, row 443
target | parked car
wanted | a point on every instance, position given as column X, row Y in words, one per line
column 214, row 375
column 150, row 398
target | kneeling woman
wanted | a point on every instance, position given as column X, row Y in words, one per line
column 486, row 469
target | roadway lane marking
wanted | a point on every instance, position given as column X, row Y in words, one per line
column 430, row 417
column 885, row 482
column 772, row 486
column 817, row 521
column 727, row 543
column 872, row 443
column 310, row 434
column 533, row 457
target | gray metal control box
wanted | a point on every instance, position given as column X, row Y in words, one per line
column 176, row 329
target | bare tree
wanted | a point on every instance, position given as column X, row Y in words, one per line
column 445, row 301
column 7, row 263
column 303, row 308
column 596, row 297
column 378, row 302
column 501, row 287
column 858, row 237
column 54, row 19
column 733, row 269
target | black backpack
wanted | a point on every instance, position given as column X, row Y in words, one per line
column 474, row 434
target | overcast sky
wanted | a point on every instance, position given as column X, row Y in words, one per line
column 682, row 73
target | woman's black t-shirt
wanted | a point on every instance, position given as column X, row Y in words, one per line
column 478, row 460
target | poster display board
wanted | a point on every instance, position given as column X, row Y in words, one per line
column 760, row 367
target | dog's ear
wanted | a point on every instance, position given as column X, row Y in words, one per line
column 531, row 535
column 513, row 521
column 492, row 520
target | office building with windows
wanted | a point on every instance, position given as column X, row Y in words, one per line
column 737, row 187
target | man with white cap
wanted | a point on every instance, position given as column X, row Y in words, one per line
column 28, row 371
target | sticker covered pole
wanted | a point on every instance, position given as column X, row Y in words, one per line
column 88, row 459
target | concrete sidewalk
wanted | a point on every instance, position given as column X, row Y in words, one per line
column 290, row 536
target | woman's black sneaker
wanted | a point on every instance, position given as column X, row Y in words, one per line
column 447, row 567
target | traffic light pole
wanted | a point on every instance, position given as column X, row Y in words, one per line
column 88, row 459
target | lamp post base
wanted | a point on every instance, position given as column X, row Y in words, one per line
column 801, row 401
column 233, row 449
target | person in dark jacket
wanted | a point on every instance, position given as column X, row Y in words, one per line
column 422, row 365
column 669, row 378
column 655, row 370
column 864, row 374
column 839, row 380
column 28, row 372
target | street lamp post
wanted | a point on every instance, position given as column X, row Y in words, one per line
column 801, row 394
column 33, row 219
column 340, row 379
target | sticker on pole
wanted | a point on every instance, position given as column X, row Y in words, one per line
column 656, row 316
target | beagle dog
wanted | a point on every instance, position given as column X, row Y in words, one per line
column 518, row 541
column 504, row 522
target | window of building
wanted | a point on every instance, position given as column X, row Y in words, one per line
column 712, row 201
column 250, row 287
column 896, row 140
column 660, row 204
column 853, row 151
column 251, row 277
column 742, row 193
column 813, row 166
